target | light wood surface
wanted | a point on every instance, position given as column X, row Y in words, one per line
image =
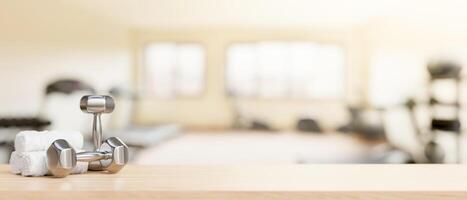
column 247, row 182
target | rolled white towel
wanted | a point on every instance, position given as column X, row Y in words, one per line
column 28, row 141
column 35, row 164
column 16, row 163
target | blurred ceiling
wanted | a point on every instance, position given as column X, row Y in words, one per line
column 276, row 13
column 230, row 13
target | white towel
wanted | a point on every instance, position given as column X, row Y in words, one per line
column 28, row 141
column 35, row 164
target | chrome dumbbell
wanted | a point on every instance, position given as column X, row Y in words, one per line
column 62, row 158
column 96, row 105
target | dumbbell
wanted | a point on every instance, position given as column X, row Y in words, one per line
column 96, row 105
column 62, row 158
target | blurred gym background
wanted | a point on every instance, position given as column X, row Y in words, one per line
column 243, row 82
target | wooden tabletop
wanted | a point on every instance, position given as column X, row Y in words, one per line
column 247, row 182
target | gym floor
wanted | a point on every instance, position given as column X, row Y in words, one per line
column 252, row 147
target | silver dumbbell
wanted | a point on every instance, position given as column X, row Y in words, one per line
column 62, row 158
column 96, row 105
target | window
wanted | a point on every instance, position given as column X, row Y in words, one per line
column 174, row 69
column 285, row 69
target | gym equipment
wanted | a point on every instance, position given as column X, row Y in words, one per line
column 110, row 156
column 96, row 105
column 309, row 125
column 60, row 95
column 445, row 71
column 432, row 150
column 360, row 123
column 62, row 158
column 68, row 86
column 34, row 123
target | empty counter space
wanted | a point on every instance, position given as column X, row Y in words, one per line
column 247, row 182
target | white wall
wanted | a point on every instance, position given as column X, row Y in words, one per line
column 41, row 41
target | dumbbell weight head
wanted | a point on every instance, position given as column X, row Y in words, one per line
column 97, row 104
column 119, row 155
column 61, row 158
column 434, row 152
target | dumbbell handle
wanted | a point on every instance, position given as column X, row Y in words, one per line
column 89, row 156
column 97, row 131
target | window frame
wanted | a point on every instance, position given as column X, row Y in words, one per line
column 259, row 97
column 143, row 70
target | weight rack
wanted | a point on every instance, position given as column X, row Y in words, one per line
column 448, row 72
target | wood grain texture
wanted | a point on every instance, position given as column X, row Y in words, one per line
column 248, row 182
